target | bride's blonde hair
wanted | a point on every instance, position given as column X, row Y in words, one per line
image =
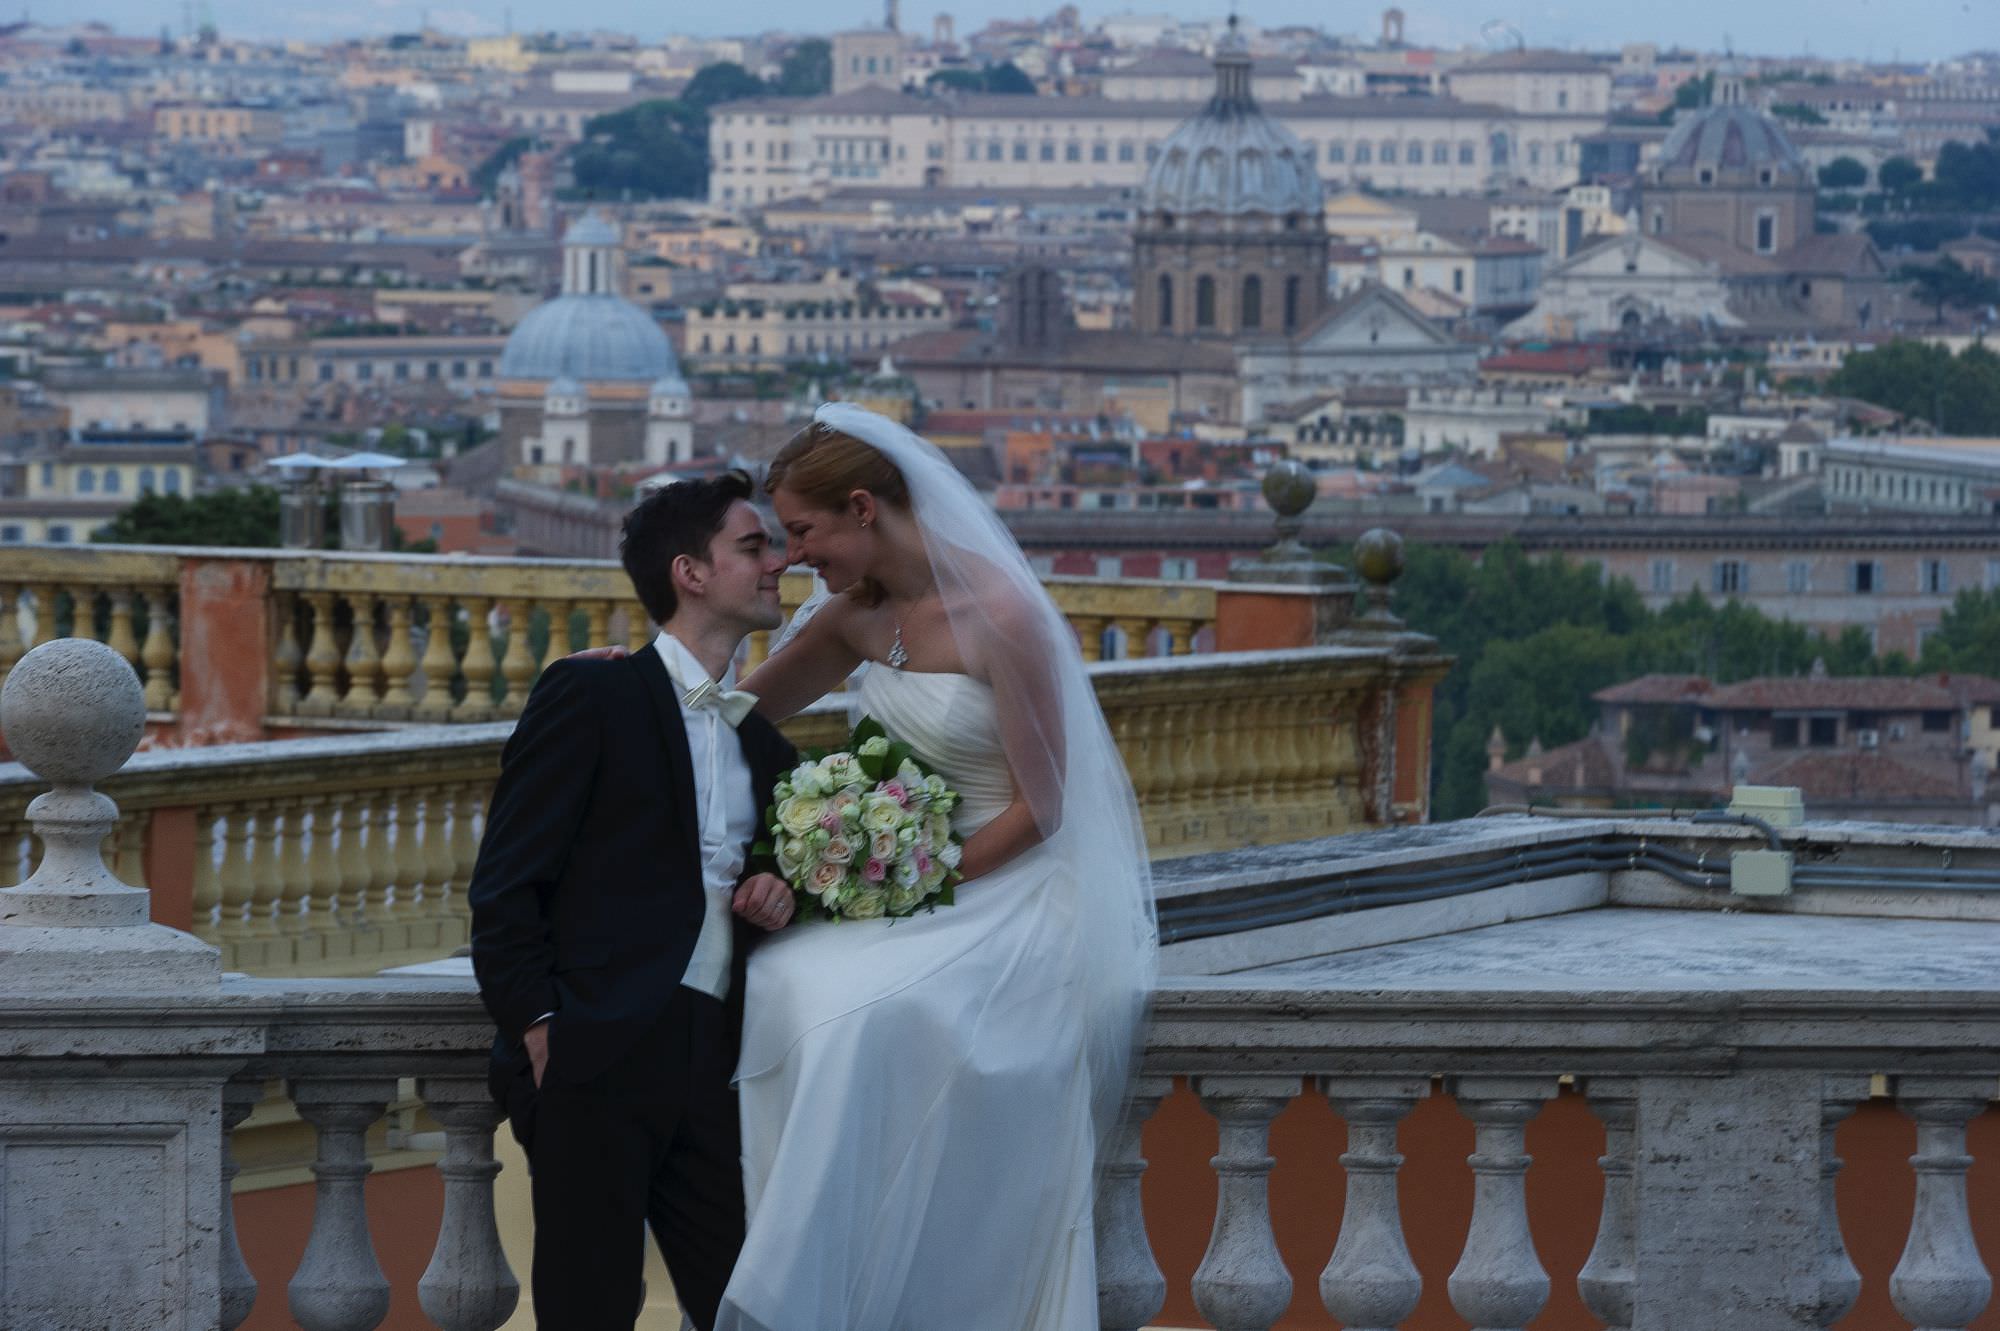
column 823, row 466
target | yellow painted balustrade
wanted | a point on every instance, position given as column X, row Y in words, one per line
column 124, row 596
column 428, row 638
column 339, row 855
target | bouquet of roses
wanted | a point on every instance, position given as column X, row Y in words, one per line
column 864, row 832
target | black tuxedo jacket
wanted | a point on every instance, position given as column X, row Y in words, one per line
column 587, row 895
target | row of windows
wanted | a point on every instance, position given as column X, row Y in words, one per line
column 1250, row 307
column 1914, row 489
column 1863, row 577
column 57, row 533
column 755, row 345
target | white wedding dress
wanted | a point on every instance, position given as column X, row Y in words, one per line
column 917, row 1131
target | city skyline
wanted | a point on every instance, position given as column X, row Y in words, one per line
column 1921, row 30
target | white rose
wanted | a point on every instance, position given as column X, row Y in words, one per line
column 879, row 813
column 837, row 850
column 827, row 876
column 904, row 874
column 791, row 856
column 878, row 747
column 882, row 845
column 868, row 904
column 800, row 814
column 910, row 775
column 951, row 854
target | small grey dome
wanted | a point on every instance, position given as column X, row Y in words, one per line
column 668, row 385
column 1732, row 139
column 593, row 338
column 1232, row 159
column 564, row 386
column 590, row 229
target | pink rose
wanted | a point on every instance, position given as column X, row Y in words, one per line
column 874, row 871
column 923, row 860
column 830, row 821
column 896, row 791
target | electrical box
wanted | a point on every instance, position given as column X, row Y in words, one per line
column 1760, row 873
column 1780, row 806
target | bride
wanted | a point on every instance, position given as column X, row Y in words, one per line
column 922, row 1099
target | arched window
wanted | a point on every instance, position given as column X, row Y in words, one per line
column 86, row 481
column 111, row 480
column 1291, row 303
column 173, row 478
column 1204, row 301
column 145, row 480
column 1166, row 301
column 1253, row 302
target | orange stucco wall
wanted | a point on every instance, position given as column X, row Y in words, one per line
column 1250, row 621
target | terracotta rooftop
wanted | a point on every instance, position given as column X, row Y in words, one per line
column 1655, row 689
column 1862, row 693
column 1847, row 774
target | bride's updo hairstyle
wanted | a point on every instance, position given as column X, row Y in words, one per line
column 823, row 466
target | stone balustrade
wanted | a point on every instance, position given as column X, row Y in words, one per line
column 312, row 639
column 341, row 854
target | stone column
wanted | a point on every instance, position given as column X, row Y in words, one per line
column 120, row 1173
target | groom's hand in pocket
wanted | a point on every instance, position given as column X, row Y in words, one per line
column 764, row 900
column 536, row 1041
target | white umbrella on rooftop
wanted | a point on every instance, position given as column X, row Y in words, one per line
column 368, row 461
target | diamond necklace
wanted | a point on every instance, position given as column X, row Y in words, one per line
column 898, row 658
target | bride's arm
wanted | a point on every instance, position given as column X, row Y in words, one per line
column 809, row 666
column 1028, row 699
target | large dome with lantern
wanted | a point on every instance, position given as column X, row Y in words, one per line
column 590, row 332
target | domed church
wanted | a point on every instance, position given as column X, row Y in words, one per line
column 1231, row 230
column 589, row 378
column 1724, row 236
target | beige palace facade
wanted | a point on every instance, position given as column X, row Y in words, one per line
column 766, row 149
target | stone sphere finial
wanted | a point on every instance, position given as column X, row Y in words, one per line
column 1378, row 558
column 1289, row 488
column 72, row 711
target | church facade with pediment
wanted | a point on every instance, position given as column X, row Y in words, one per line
column 1625, row 284
column 1372, row 337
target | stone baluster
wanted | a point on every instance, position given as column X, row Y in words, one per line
column 1177, row 723
column 639, row 628
column 1134, row 630
column 1242, row 1284
column 597, row 623
column 295, row 884
column 1205, row 762
column 468, row 1285
column 468, row 801
column 355, row 874
column 364, row 663
column 1089, row 636
column 478, row 666
column 562, row 641
column 438, row 664
column 322, row 659
column 1130, row 1288
column 237, row 885
column 121, row 636
column 416, row 892
column 518, row 665
column 323, row 872
column 339, row 1285
column 82, row 612
column 1940, row 1283
column 1180, row 636
column 399, row 662
column 44, row 599
column 206, row 886
column 1370, row 1284
column 383, row 885
column 239, row 1286
column 440, row 862
column 1499, row 1284
column 287, row 658
column 156, row 654
column 265, row 885
column 1839, row 1282
column 1607, row 1282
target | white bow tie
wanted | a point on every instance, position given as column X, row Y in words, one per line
column 732, row 704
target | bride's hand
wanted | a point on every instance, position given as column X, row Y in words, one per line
column 612, row 653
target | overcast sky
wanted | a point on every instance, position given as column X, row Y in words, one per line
column 1874, row 29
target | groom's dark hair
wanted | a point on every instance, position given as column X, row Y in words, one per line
column 675, row 520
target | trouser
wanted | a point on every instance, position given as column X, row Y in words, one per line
column 651, row 1143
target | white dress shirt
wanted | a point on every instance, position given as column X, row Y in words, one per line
column 726, row 813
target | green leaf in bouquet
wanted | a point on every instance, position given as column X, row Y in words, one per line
column 871, row 766
column 899, row 753
column 864, row 730
column 947, row 895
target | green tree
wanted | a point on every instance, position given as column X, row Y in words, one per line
column 1690, row 94
column 1967, row 638
column 1967, row 175
column 1956, row 394
column 1798, row 113
column 807, row 70
column 1843, row 173
column 1005, row 77
column 247, row 517
column 487, row 174
column 656, row 149
column 1899, row 175
column 1947, row 282
column 724, row 81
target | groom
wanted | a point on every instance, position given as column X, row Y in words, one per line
column 611, row 920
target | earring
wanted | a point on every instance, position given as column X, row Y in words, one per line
column 864, row 523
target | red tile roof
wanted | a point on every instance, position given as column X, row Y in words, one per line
column 1878, row 694
column 1849, row 774
column 1654, row 689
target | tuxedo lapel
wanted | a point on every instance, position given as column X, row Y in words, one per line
column 681, row 794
